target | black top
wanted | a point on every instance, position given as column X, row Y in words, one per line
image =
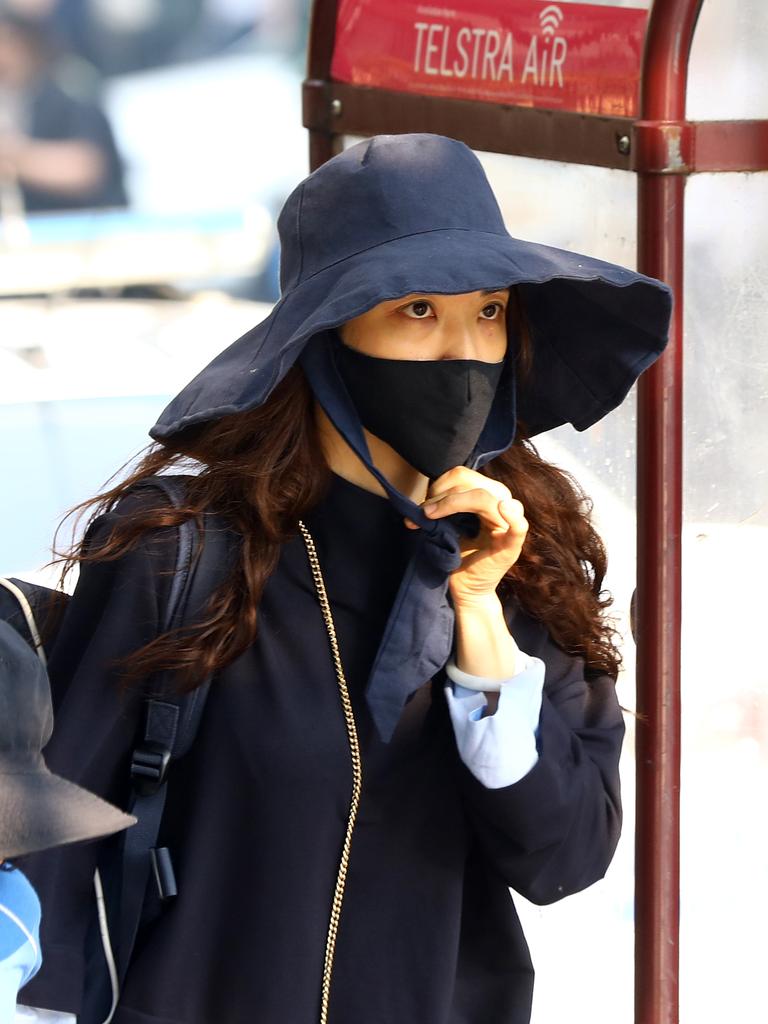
column 257, row 810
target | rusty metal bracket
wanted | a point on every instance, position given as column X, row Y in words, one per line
column 337, row 108
column 689, row 147
column 663, row 147
column 316, row 105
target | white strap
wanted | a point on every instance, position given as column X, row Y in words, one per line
column 29, row 615
column 20, row 925
column 106, row 945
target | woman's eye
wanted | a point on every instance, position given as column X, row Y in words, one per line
column 492, row 311
column 418, row 310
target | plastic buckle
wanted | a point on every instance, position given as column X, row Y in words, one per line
column 165, row 878
column 149, row 767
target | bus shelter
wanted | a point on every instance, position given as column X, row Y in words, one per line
column 581, row 107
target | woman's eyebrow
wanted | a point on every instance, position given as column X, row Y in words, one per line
column 494, row 291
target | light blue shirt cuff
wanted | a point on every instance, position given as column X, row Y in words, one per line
column 500, row 749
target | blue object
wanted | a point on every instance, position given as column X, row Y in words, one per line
column 20, row 956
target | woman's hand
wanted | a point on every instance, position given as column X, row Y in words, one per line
column 503, row 528
column 483, row 644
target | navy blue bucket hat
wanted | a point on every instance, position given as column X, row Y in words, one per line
column 402, row 214
column 398, row 214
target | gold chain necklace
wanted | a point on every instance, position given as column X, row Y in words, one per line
column 357, row 772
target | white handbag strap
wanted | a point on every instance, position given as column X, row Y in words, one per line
column 29, row 616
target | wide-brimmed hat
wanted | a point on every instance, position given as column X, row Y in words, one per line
column 403, row 214
column 399, row 214
column 38, row 809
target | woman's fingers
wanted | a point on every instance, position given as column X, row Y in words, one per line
column 487, row 557
column 462, row 479
column 477, row 500
column 465, row 490
column 514, row 514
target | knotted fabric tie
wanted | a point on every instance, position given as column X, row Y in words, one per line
column 418, row 636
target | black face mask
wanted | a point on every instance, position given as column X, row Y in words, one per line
column 430, row 411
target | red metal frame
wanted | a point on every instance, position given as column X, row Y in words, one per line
column 663, row 148
column 661, row 203
column 685, row 147
column 332, row 109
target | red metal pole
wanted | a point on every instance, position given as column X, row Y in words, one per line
column 659, row 526
column 322, row 37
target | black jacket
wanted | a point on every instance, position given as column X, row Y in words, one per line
column 256, row 811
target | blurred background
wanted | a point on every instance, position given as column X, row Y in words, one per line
column 145, row 150
column 146, row 147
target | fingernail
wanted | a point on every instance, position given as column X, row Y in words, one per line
column 430, row 507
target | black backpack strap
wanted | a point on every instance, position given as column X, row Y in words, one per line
column 171, row 720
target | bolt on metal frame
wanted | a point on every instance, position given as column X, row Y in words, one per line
column 663, row 149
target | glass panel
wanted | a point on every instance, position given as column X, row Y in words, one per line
column 571, row 206
column 728, row 72
column 725, row 560
column 583, row 947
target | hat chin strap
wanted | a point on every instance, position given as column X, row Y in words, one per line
column 421, row 600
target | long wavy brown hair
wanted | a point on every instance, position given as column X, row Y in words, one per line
column 264, row 470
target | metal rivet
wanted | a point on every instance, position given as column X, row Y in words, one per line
column 335, row 107
column 623, row 144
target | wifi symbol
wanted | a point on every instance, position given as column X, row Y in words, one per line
column 550, row 19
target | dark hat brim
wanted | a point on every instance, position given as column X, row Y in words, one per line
column 40, row 810
column 595, row 326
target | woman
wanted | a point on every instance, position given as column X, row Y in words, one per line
column 362, row 790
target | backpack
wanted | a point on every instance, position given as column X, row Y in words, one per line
column 169, row 726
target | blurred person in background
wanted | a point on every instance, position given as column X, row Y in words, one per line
column 57, row 151
column 271, row 25
column 120, row 37
column 223, row 24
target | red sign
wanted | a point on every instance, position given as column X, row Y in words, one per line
column 529, row 53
